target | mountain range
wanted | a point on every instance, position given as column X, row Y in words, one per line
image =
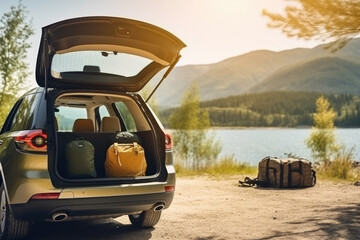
column 300, row 69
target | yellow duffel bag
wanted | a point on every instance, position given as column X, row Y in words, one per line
column 125, row 160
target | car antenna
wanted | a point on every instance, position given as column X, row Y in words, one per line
column 164, row 76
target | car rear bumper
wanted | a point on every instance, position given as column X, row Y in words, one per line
column 36, row 210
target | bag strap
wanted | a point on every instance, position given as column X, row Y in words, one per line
column 267, row 169
column 314, row 176
column 248, row 182
column 137, row 148
column 116, row 151
column 281, row 180
column 289, row 174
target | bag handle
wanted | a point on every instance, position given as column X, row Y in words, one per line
column 137, row 148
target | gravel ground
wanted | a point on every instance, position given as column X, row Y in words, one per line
column 208, row 209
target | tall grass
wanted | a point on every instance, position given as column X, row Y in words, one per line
column 226, row 166
column 341, row 167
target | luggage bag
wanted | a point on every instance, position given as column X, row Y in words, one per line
column 283, row 173
column 125, row 160
column 79, row 155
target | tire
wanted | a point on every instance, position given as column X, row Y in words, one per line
column 10, row 228
column 146, row 219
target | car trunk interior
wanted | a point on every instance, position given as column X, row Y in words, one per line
column 93, row 109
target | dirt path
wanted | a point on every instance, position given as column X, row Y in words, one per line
column 210, row 209
column 214, row 209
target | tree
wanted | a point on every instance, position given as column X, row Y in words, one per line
column 192, row 143
column 322, row 141
column 15, row 31
column 337, row 20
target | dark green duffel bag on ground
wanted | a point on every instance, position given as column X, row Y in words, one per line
column 283, row 173
column 80, row 159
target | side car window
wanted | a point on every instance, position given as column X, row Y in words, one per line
column 126, row 116
column 23, row 117
column 7, row 124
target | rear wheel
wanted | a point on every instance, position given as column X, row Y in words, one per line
column 10, row 228
column 146, row 219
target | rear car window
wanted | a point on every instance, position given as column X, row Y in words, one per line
column 120, row 64
column 66, row 116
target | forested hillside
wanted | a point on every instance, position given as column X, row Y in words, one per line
column 276, row 109
column 328, row 74
column 297, row 69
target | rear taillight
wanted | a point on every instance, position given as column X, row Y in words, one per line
column 168, row 142
column 169, row 188
column 31, row 140
column 45, row 196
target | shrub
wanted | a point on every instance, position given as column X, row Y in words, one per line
column 194, row 145
column 341, row 167
column 322, row 141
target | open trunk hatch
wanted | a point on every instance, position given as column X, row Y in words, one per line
column 105, row 53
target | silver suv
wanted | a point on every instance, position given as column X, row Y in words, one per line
column 88, row 71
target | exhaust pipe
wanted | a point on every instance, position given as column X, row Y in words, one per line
column 158, row 207
column 59, row 216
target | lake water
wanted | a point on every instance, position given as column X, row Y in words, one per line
column 251, row 145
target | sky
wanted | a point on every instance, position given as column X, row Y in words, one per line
column 213, row 30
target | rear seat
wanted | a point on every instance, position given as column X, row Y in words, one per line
column 110, row 124
column 83, row 125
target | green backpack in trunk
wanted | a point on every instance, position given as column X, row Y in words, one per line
column 80, row 159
